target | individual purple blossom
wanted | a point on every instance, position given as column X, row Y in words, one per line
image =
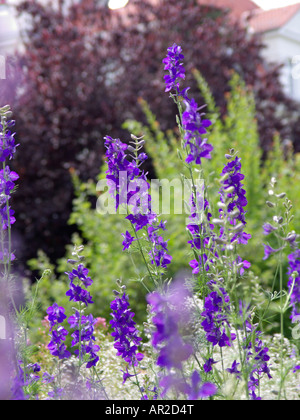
column 296, row 368
column 78, row 294
column 268, row 250
column 59, row 350
column 56, row 315
column 198, row 389
column 47, row 378
column 7, row 180
column 76, row 319
column 241, row 265
column 234, row 370
column 7, row 217
column 207, row 367
column 268, row 228
column 7, row 144
column 128, row 239
column 126, row 375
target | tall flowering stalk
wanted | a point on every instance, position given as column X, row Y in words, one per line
column 83, row 326
column 125, row 334
column 216, row 261
column 279, row 230
column 129, row 187
column 193, row 128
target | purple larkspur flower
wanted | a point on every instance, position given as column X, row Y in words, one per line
column 8, row 145
column 268, row 250
column 125, row 333
column 174, row 66
column 193, row 123
column 232, row 190
column 135, row 195
column 7, row 179
column 128, row 239
column 215, row 314
column 268, row 228
column 207, row 367
column 195, row 127
column 59, row 350
column 234, row 370
column 198, row 389
column 56, row 314
column 257, row 357
column 75, row 319
column 78, row 294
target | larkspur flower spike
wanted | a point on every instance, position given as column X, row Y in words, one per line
column 194, row 124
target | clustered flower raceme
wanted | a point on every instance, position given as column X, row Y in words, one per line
column 83, row 336
column 170, row 315
column 193, row 123
column 215, row 324
column 134, row 194
column 233, row 195
column 125, row 333
column 201, row 234
column 57, row 347
column 257, row 358
column 8, row 148
column 259, row 367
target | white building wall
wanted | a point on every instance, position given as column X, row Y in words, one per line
column 9, row 30
column 283, row 46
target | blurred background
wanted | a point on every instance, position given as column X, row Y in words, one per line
column 76, row 71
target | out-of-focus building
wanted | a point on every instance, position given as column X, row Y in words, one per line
column 280, row 29
column 9, row 29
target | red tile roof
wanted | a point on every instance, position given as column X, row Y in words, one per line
column 268, row 20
